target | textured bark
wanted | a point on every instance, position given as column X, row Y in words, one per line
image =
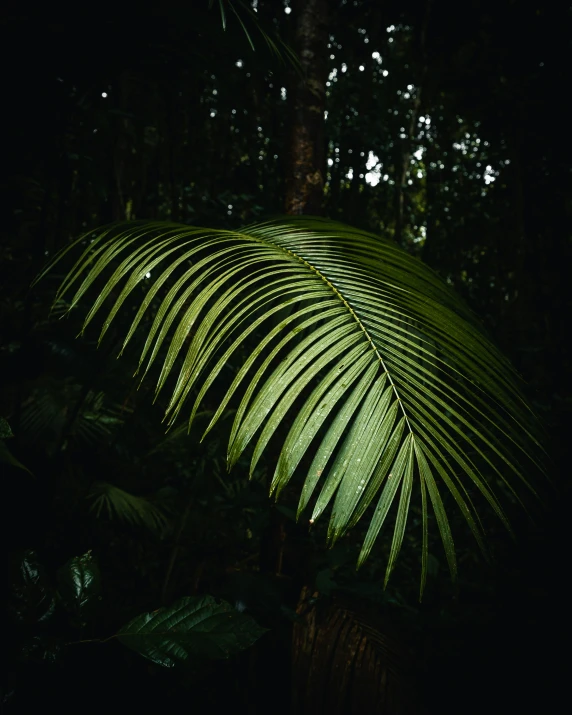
column 341, row 663
column 306, row 168
column 345, row 662
column 402, row 168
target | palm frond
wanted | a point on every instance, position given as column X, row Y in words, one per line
column 46, row 413
column 117, row 503
column 241, row 10
column 377, row 367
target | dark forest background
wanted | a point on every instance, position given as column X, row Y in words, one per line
column 445, row 129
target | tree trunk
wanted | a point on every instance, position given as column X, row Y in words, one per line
column 347, row 662
column 306, row 170
column 403, row 158
column 341, row 662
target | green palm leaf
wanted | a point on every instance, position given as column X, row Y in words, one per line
column 132, row 509
column 240, row 9
column 45, row 413
column 375, row 366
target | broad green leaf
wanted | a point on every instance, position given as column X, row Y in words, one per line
column 79, row 583
column 194, row 628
